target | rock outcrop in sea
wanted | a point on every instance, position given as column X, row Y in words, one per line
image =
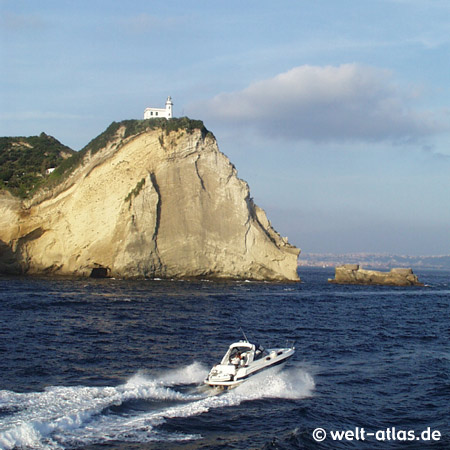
column 146, row 201
column 354, row 274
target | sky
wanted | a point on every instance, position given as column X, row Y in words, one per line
column 336, row 113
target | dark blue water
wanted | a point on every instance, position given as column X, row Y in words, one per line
column 109, row 364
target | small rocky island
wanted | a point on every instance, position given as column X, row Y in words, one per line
column 354, row 274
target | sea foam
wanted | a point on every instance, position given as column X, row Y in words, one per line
column 61, row 417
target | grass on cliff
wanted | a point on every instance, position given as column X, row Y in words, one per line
column 135, row 127
column 135, row 192
column 24, row 160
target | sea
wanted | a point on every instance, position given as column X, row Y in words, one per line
column 115, row 364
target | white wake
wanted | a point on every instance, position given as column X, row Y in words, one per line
column 63, row 417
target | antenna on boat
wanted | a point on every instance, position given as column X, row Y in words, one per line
column 245, row 337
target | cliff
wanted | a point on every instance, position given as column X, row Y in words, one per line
column 353, row 274
column 145, row 201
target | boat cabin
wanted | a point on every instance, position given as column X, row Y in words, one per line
column 243, row 353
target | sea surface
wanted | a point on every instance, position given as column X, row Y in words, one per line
column 113, row 364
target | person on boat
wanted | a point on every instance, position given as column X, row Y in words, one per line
column 236, row 359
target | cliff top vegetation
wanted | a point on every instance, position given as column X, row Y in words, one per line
column 24, row 160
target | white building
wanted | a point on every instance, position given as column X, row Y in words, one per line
column 151, row 113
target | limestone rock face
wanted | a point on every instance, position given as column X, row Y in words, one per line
column 353, row 274
column 155, row 204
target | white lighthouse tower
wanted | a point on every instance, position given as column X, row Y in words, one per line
column 169, row 106
column 152, row 113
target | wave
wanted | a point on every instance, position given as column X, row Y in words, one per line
column 62, row 417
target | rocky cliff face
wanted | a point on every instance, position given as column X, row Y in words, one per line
column 155, row 204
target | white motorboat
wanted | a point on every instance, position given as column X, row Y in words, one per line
column 243, row 360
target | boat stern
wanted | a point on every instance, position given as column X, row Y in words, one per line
column 222, row 375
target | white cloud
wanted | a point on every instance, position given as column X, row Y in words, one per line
column 347, row 102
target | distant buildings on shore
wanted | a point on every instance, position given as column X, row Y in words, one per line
column 152, row 113
column 374, row 260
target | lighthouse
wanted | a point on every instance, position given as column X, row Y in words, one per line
column 167, row 112
column 169, row 105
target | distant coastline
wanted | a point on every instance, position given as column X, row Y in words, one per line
column 374, row 260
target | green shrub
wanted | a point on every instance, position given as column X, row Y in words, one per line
column 136, row 190
column 24, row 161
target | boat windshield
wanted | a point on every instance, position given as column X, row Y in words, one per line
column 237, row 352
column 260, row 352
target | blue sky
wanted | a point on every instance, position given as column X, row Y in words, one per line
column 337, row 113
